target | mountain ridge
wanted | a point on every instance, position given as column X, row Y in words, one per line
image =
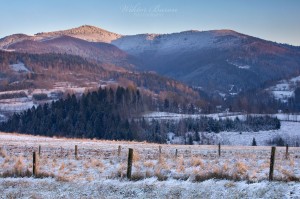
column 214, row 60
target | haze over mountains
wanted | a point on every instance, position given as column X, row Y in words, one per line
column 222, row 61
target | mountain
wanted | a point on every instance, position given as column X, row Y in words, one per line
column 218, row 61
column 95, row 51
column 85, row 32
column 222, row 60
column 85, row 41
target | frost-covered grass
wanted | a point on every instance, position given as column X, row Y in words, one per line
column 100, row 160
column 197, row 171
column 148, row 188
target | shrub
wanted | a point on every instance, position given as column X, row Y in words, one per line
column 40, row 96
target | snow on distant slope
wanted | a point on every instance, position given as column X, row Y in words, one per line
column 240, row 66
column 16, row 104
column 2, row 118
column 284, row 89
column 19, row 67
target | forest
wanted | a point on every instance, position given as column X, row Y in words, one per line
column 116, row 114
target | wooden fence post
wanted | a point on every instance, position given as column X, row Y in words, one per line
column 76, row 152
column 272, row 161
column 119, row 151
column 176, row 153
column 219, row 150
column 34, row 164
column 39, row 150
column 159, row 153
column 129, row 165
column 287, row 151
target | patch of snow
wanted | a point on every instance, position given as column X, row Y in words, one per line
column 295, row 79
column 19, row 67
column 283, row 95
column 222, row 94
column 284, row 89
column 240, row 66
column 16, row 104
column 2, row 117
column 14, row 91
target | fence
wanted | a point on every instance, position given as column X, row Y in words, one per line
column 177, row 160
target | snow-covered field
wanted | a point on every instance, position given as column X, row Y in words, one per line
column 289, row 132
column 100, row 173
column 231, row 115
column 177, row 116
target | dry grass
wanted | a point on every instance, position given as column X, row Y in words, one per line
column 180, row 164
column 149, row 164
column 122, row 169
column 242, row 168
column 96, row 163
column 213, row 175
column 136, row 156
column 19, row 169
column 160, row 175
column 62, row 166
column 137, row 176
column 3, row 153
column 195, row 162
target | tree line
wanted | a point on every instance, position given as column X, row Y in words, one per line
column 117, row 114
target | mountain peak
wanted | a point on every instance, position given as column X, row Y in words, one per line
column 85, row 32
column 86, row 29
column 8, row 40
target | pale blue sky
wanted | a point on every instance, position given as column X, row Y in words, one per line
column 276, row 20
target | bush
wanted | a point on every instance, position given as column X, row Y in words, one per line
column 13, row 95
column 40, row 96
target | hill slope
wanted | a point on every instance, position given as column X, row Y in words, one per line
column 214, row 60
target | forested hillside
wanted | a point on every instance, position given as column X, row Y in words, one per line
column 117, row 114
column 101, row 114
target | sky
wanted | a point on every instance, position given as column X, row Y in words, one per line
column 275, row 20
